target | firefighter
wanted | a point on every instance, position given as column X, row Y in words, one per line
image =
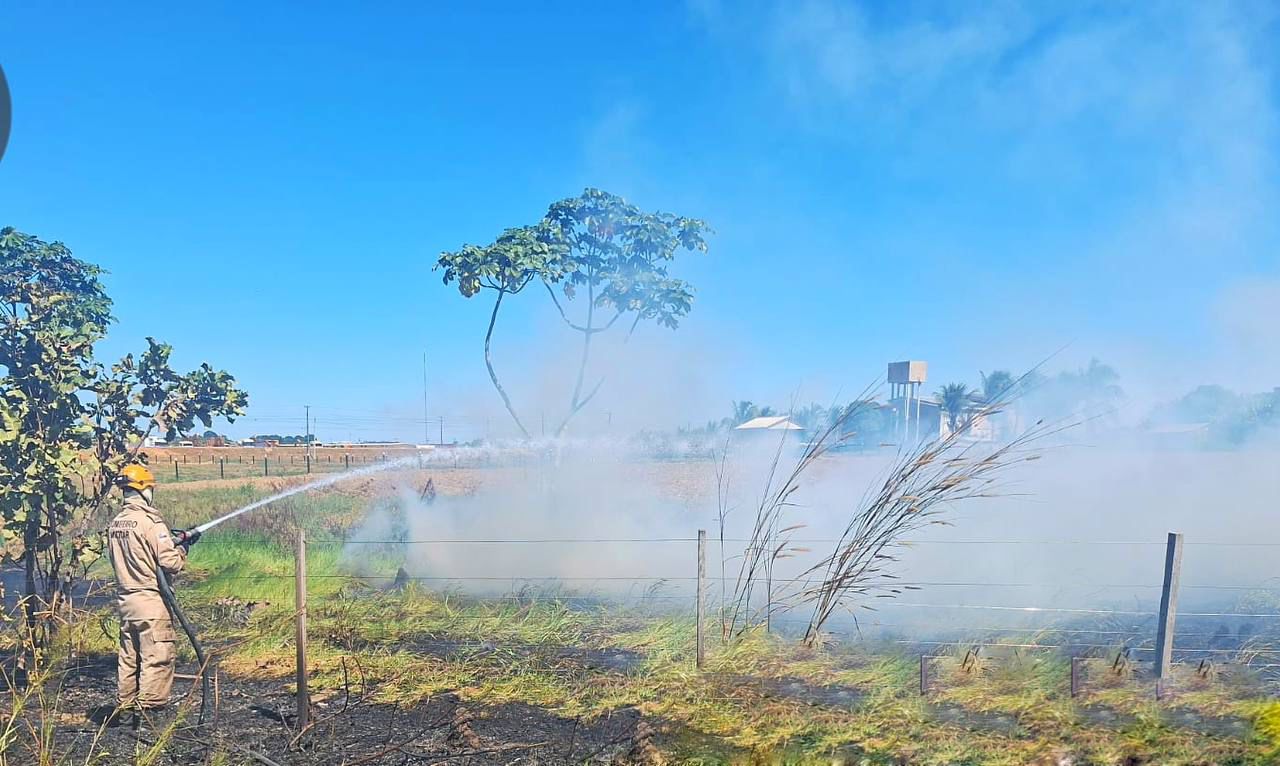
column 140, row 542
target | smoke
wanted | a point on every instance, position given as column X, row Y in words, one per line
column 519, row 531
column 1079, row 534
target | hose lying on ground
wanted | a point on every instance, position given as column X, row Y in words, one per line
column 175, row 609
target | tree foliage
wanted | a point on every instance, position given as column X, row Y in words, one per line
column 621, row 255
column 516, row 258
column 596, row 247
column 67, row 423
column 956, row 401
column 997, row 386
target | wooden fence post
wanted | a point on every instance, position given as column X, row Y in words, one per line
column 265, row 464
column 347, row 458
column 300, row 637
column 308, row 463
column 1075, row 676
column 222, row 468
column 924, row 674
column 1168, row 612
column 175, row 470
column 702, row 595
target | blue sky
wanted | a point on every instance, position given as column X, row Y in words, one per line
column 975, row 186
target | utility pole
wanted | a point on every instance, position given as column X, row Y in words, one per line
column 426, row 418
column 307, row 443
column 442, row 430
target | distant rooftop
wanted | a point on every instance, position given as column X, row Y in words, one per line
column 772, row 423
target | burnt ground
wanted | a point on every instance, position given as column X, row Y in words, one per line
column 849, row 698
column 256, row 716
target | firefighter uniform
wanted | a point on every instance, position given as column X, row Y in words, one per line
column 139, row 543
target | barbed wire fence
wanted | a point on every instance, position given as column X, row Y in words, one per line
column 184, row 464
column 1123, row 637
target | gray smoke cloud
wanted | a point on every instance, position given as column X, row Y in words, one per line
column 1081, row 529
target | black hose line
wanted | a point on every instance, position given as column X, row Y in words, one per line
column 175, row 609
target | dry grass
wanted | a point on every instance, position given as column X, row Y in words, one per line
column 921, row 486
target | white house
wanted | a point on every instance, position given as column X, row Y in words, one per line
column 769, row 423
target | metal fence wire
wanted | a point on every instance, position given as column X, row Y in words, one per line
column 680, row 592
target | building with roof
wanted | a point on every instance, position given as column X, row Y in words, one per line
column 769, row 428
column 769, row 423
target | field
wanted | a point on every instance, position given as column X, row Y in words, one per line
column 200, row 463
column 407, row 669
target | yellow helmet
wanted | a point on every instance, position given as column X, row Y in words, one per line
column 136, row 476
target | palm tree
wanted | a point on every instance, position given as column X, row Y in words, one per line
column 954, row 398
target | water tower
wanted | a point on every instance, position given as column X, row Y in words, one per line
column 905, row 379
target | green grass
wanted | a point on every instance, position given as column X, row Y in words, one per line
column 325, row 516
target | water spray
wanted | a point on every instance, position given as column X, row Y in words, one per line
column 318, row 483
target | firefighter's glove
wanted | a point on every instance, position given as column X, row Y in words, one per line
column 184, row 539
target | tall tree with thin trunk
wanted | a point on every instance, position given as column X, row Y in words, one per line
column 506, row 267
column 596, row 243
column 620, row 255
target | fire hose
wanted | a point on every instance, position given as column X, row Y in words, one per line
column 175, row 609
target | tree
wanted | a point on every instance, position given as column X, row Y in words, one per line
column 1203, row 404
column 865, row 423
column 597, row 243
column 742, row 412
column 1100, row 389
column 812, row 417
column 997, row 385
column 1090, row 393
column 511, row 263
column 954, row 398
column 60, row 453
column 620, row 255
